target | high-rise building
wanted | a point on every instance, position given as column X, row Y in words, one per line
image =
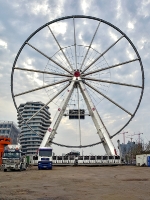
column 9, row 129
column 29, row 140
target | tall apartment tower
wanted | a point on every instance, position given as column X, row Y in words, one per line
column 29, row 140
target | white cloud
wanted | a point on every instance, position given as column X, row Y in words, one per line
column 113, row 36
column 29, row 61
column 119, row 9
column 130, row 55
column 50, row 9
column 85, row 5
column 38, row 8
column 34, row 77
column 3, row 44
column 144, row 8
column 59, row 27
column 80, row 36
column 142, row 43
column 15, row 4
column 28, row 64
column 130, row 25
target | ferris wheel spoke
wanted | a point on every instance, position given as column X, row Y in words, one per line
column 44, row 72
column 48, row 102
column 90, row 45
column 79, row 114
column 75, row 43
column 112, row 66
column 45, row 86
column 60, row 47
column 102, row 54
column 113, row 82
column 49, row 58
column 95, row 93
column 108, row 98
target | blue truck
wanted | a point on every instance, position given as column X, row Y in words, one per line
column 45, row 158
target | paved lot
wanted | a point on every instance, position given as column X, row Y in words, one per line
column 73, row 183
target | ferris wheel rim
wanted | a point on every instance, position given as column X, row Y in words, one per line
column 74, row 17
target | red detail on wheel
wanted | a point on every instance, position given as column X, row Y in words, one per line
column 49, row 129
column 59, row 109
column 93, row 109
column 76, row 73
column 68, row 90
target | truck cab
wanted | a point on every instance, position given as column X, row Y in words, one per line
column 45, row 158
column 13, row 159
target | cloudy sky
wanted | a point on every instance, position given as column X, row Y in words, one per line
column 19, row 19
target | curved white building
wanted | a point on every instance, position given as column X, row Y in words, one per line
column 40, row 123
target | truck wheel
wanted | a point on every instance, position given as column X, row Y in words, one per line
column 5, row 170
column 20, row 168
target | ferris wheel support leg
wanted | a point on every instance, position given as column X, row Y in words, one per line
column 101, row 129
column 49, row 135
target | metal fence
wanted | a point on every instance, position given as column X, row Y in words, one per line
column 86, row 159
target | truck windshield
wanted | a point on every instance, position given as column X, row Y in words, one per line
column 45, row 152
column 11, row 155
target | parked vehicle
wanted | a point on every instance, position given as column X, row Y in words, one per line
column 45, row 158
column 13, row 158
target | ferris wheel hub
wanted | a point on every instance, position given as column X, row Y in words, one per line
column 77, row 73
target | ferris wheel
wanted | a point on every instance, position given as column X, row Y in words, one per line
column 77, row 61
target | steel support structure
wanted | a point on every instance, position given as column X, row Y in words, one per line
column 100, row 127
column 49, row 135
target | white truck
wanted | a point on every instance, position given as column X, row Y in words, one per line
column 13, row 158
column 45, row 158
